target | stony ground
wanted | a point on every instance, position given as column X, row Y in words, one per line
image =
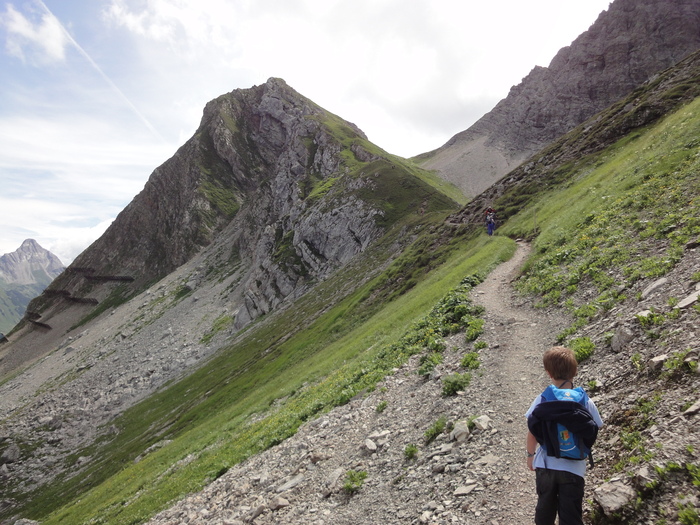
column 480, row 479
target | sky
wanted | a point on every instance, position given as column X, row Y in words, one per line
column 95, row 94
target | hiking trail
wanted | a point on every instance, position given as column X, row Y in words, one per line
column 518, row 335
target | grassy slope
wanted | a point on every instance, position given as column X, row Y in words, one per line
column 220, row 433
column 9, row 314
column 14, row 299
column 625, row 214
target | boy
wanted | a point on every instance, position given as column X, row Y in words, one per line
column 559, row 481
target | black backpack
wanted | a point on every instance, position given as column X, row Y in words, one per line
column 562, row 424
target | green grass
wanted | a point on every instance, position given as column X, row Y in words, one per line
column 454, row 383
column 354, row 480
column 470, row 361
column 582, row 347
column 208, row 416
column 618, row 210
column 410, row 452
column 221, row 323
column 435, row 430
column 428, row 362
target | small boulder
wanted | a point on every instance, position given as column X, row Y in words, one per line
column 692, row 410
column 464, row 490
column 657, row 363
column 643, row 478
column 278, row 503
column 296, row 480
column 483, row 422
column 653, row 287
column 691, row 299
column 460, row 432
column 613, row 496
column 10, row 455
column 622, row 337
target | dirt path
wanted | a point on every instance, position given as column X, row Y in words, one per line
column 518, row 335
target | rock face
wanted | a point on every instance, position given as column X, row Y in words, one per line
column 24, row 274
column 272, row 193
column 670, row 89
column 249, row 170
column 629, row 43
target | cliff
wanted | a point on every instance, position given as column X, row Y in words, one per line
column 627, row 45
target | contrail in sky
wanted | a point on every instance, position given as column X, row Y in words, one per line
column 104, row 76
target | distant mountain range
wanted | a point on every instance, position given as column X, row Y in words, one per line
column 24, row 274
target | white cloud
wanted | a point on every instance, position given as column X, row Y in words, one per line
column 68, row 248
column 377, row 63
column 42, row 40
column 65, row 235
column 65, row 177
column 186, row 26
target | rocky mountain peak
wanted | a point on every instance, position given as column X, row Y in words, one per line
column 30, row 264
column 242, row 144
column 24, row 274
column 272, row 193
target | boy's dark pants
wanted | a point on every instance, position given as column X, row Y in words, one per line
column 559, row 492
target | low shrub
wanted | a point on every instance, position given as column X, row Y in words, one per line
column 582, row 347
column 435, row 429
column 354, row 480
column 410, row 452
column 428, row 362
column 471, row 361
column 455, row 383
column 475, row 327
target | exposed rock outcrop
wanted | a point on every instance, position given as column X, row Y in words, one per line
column 668, row 90
column 628, row 44
column 278, row 192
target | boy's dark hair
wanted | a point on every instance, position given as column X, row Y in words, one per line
column 560, row 362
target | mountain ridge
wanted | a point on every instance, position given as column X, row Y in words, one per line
column 295, row 191
column 628, row 44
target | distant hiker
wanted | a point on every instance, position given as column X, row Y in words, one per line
column 490, row 216
column 565, row 423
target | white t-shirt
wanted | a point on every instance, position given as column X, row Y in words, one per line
column 575, row 466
